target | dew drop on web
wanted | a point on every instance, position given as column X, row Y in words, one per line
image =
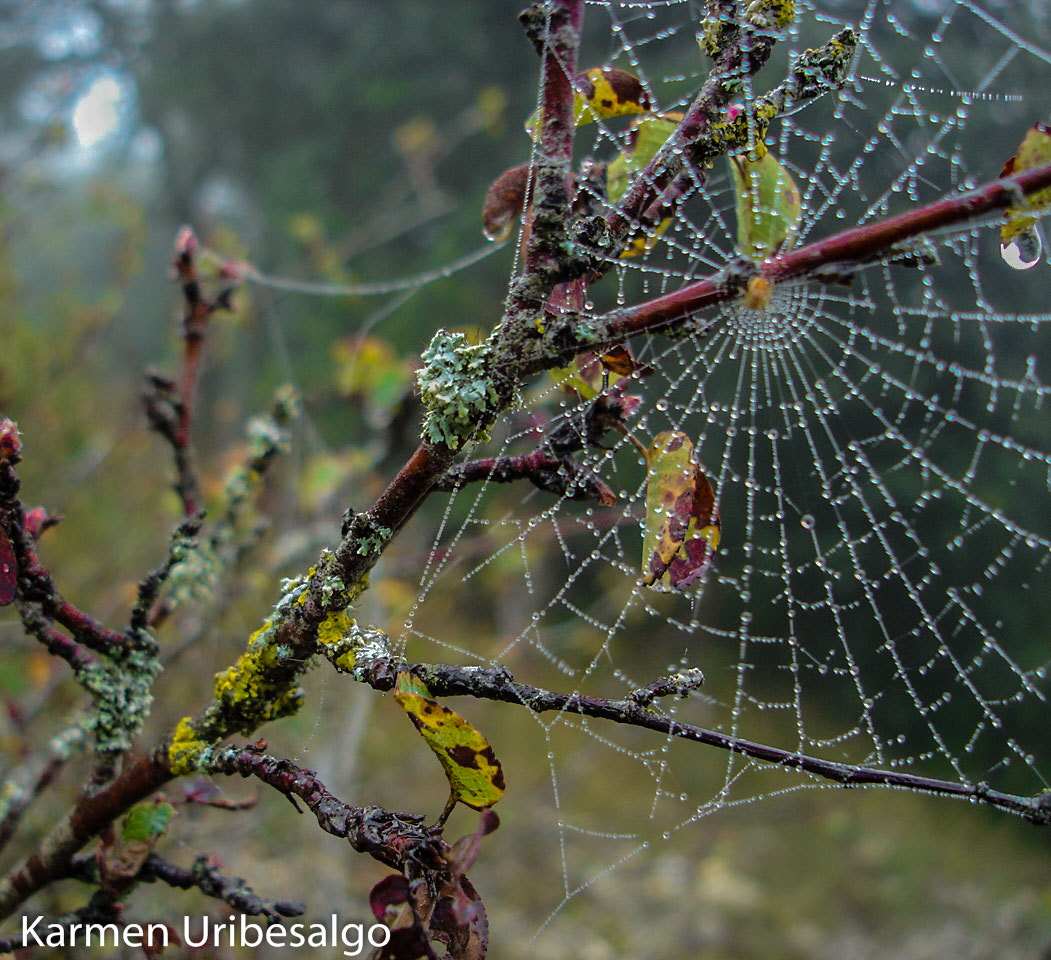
column 1023, row 252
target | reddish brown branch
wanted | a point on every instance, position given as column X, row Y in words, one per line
column 93, row 813
column 171, row 413
column 857, row 244
column 545, row 255
column 37, row 586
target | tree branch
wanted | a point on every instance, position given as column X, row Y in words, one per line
column 391, row 838
column 203, row 876
column 498, row 684
column 865, row 243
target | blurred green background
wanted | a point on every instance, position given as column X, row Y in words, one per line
column 348, row 141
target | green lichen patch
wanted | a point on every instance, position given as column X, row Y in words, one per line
column 457, row 389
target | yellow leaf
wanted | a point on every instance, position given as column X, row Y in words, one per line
column 475, row 775
column 1020, row 243
column 602, row 93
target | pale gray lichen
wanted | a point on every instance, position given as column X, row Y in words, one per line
column 195, row 577
column 123, row 695
column 357, row 649
column 331, row 589
column 457, row 389
column 373, row 540
column 293, row 591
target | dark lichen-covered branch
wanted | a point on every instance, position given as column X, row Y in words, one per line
column 392, row 838
column 709, row 129
column 498, row 684
column 204, row 876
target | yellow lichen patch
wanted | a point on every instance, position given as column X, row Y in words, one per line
column 253, row 687
column 186, row 748
column 770, row 13
column 742, row 130
column 334, row 627
column 475, row 775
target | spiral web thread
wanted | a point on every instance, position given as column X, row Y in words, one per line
column 878, row 452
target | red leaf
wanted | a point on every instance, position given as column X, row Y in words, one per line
column 391, row 891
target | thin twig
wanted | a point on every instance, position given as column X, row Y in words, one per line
column 498, row 684
column 203, row 876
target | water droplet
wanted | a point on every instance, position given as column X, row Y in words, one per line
column 1023, row 252
column 806, row 521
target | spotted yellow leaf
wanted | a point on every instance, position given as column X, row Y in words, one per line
column 682, row 525
column 475, row 775
column 601, row 94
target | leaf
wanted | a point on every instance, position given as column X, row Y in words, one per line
column 475, row 775
column 702, row 537
column 768, row 205
column 459, row 921
column 584, row 377
column 8, row 570
column 620, row 360
column 391, row 892
column 682, row 526
column 1020, row 243
column 143, row 826
column 646, row 137
column 601, row 94
column 505, row 202
column 147, row 822
column 669, row 500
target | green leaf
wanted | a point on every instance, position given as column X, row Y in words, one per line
column 146, row 822
column 475, row 775
column 768, row 205
column 646, row 137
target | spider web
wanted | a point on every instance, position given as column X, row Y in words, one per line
column 878, row 454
